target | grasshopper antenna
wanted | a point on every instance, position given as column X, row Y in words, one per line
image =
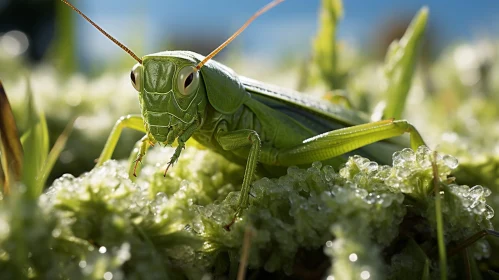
column 239, row 31
column 104, row 32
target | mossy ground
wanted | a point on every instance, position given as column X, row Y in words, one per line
column 369, row 220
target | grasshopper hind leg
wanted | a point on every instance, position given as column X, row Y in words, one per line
column 338, row 142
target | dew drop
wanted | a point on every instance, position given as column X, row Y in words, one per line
column 476, row 191
column 328, row 172
column 383, row 172
column 372, row 166
column 408, row 154
column 108, row 276
column 56, row 233
column 353, row 257
column 403, row 172
column 82, row 264
column 397, row 159
column 161, row 197
column 102, row 250
column 365, row 275
column 362, row 193
column 423, row 156
column 317, row 165
column 486, row 192
column 329, row 244
column 450, row 161
column 489, row 212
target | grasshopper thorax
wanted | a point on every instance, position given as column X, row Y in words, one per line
column 171, row 92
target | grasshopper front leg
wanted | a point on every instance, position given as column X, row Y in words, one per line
column 142, row 146
column 237, row 139
column 129, row 121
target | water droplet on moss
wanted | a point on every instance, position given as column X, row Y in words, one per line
column 489, row 212
column 329, row 173
column 450, row 161
column 486, row 192
column 372, row 167
column 362, row 193
column 403, row 172
column 476, row 191
column 423, row 156
column 317, row 165
column 408, row 154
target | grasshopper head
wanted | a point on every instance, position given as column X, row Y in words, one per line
column 171, row 92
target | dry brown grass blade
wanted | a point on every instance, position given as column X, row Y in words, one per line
column 10, row 144
column 243, row 263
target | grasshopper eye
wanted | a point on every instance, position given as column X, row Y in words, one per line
column 135, row 76
column 187, row 80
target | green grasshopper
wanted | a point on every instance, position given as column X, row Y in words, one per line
column 183, row 94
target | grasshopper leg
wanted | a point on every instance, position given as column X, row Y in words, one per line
column 130, row 121
column 337, row 142
column 237, row 139
column 325, row 146
column 144, row 144
column 181, row 144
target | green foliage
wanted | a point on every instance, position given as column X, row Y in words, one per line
column 400, row 62
column 326, row 46
column 37, row 160
column 36, row 147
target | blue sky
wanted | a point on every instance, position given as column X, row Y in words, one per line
column 146, row 24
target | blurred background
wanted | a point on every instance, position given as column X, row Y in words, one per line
column 199, row 25
column 73, row 71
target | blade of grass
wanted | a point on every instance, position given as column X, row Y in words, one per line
column 400, row 63
column 442, row 254
column 36, row 145
column 11, row 150
column 325, row 45
column 54, row 153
